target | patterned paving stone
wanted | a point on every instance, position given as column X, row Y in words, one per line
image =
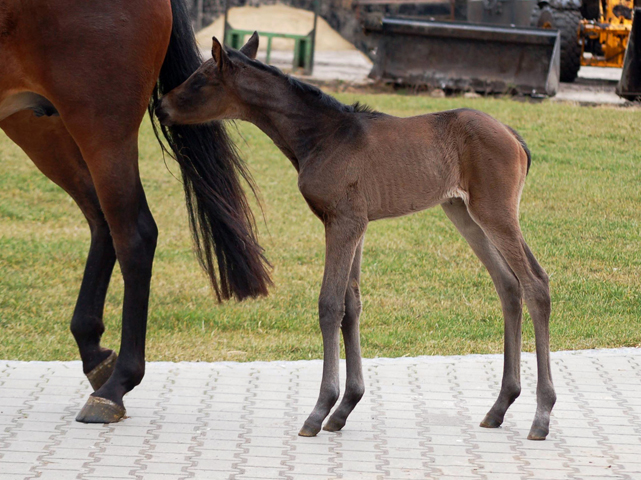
column 418, row 420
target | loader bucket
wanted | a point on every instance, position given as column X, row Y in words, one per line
column 464, row 56
column 629, row 86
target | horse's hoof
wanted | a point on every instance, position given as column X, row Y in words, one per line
column 491, row 422
column 308, row 430
column 99, row 375
column 538, row 433
column 100, row 410
column 334, row 425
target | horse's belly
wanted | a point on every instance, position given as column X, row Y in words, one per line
column 403, row 195
column 408, row 174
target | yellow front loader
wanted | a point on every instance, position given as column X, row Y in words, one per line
column 604, row 39
column 596, row 33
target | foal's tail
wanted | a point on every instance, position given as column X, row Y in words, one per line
column 524, row 145
column 221, row 220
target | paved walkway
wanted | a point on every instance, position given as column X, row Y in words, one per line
column 232, row 421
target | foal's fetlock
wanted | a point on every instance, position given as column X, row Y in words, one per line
column 335, row 423
column 314, row 422
column 338, row 419
column 541, row 425
column 540, row 429
column 310, row 428
column 511, row 393
column 492, row 420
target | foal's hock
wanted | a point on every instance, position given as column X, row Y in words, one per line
column 356, row 165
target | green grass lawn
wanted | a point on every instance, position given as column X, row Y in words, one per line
column 424, row 292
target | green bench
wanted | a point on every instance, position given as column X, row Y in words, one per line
column 303, row 44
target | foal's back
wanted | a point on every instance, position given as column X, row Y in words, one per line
column 403, row 165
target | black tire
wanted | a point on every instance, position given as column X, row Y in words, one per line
column 567, row 22
column 590, row 9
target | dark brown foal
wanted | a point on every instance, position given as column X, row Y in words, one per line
column 356, row 166
column 76, row 79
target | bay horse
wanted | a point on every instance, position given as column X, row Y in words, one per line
column 356, row 165
column 76, row 80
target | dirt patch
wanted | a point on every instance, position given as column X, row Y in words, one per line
column 278, row 19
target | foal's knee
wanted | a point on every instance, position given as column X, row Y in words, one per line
column 331, row 312
column 511, row 293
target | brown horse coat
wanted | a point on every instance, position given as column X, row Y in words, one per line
column 76, row 79
column 355, row 166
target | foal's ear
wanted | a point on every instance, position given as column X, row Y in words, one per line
column 250, row 49
column 219, row 54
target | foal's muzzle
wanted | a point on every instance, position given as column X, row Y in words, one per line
column 163, row 116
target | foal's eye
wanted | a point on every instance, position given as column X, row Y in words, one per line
column 198, row 83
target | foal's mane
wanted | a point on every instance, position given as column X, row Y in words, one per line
column 311, row 91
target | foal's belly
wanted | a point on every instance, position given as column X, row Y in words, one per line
column 408, row 166
column 399, row 208
column 400, row 188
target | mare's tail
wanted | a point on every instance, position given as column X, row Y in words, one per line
column 221, row 220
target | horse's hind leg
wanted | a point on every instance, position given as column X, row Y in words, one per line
column 354, row 385
column 510, row 292
column 499, row 219
column 56, row 154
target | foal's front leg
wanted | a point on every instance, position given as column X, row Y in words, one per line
column 354, row 385
column 342, row 236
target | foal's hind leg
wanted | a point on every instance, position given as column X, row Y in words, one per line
column 354, row 385
column 342, row 236
column 510, row 292
column 499, row 220
column 56, row 154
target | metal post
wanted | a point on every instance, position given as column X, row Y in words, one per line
column 269, row 50
column 310, row 68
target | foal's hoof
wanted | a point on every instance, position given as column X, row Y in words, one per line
column 538, row 433
column 100, row 410
column 309, row 430
column 99, row 375
column 491, row 422
column 334, row 425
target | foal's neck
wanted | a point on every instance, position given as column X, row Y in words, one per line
column 302, row 121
